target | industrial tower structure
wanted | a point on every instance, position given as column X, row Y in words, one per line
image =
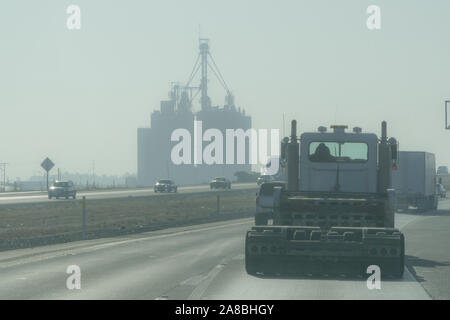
column 154, row 144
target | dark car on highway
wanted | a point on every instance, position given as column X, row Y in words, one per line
column 220, row 183
column 165, row 186
column 63, row 189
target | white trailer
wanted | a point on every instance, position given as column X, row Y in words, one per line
column 414, row 180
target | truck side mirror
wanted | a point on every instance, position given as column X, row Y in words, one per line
column 394, row 152
column 394, row 148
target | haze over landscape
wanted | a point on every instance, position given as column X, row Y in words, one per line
column 79, row 96
column 152, row 193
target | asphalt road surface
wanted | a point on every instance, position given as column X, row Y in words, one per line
column 42, row 197
column 207, row 262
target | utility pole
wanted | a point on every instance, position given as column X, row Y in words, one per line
column 447, row 113
column 4, row 164
column 167, row 166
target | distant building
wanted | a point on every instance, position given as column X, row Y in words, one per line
column 154, row 144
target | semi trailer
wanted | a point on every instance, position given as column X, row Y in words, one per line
column 414, row 180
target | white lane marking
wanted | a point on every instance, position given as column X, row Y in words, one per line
column 87, row 249
column 111, row 194
column 95, row 194
column 200, row 290
column 194, row 280
column 205, row 281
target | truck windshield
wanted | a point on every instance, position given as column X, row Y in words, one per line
column 338, row 151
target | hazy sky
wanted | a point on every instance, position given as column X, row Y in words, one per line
column 79, row 96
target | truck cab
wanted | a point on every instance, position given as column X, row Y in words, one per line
column 336, row 213
column 338, row 161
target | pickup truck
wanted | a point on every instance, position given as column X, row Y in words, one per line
column 63, row 189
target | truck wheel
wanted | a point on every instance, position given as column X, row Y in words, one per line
column 400, row 267
column 435, row 202
column 250, row 265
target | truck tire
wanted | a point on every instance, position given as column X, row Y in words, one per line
column 250, row 265
column 435, row 202
column 398, row 272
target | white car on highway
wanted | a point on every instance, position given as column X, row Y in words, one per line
column 265, row 202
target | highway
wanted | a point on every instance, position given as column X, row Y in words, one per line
column 41, row 197
column 207, row 262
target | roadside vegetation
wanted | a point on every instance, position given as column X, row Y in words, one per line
column 27, row 225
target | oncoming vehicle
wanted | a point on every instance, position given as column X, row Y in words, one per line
column 220, row 183
column 64, row 189
column 165, row 186
column 265, row 201
column 264, row 178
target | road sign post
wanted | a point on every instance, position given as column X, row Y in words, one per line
column 47, row 165
column 218, row 204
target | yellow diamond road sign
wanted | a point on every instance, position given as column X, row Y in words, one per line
column 47, row 164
